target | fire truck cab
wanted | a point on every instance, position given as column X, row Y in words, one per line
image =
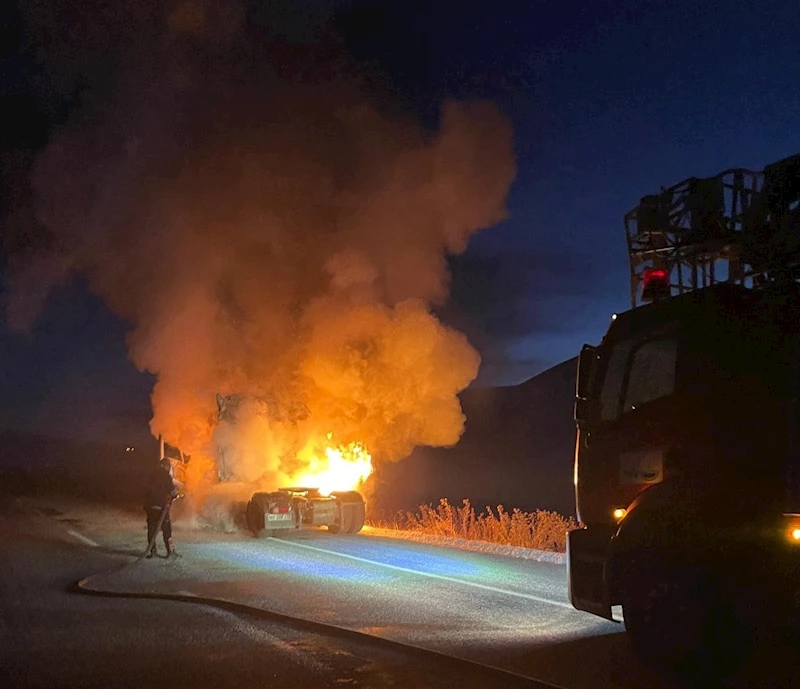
column 687, row 471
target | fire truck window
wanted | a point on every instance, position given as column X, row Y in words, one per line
column 614, row 379
column 652, row 372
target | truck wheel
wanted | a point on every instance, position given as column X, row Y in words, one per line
column 254, row 515
column 343, row 524
column 359, row 516
column 662, row 617
column 676, row 618
column 351, row 512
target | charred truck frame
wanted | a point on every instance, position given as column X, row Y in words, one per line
column 687, row 460
column 292, row 508
column 268, row 513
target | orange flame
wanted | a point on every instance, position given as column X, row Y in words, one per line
column 344, row 467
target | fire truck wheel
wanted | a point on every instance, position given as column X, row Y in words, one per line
column 663, row 614
column 675, row 618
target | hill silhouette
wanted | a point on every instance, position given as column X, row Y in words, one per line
column 32, row 463
column 517, row 451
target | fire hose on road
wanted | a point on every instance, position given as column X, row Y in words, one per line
column 510, row 679
column 92, row 586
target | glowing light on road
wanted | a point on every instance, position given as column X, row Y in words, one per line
column 619, row 513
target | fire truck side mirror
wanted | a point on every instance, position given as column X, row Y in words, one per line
column 586, row 362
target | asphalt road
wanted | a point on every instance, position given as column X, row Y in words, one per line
column 53, row 636
column 497, row 611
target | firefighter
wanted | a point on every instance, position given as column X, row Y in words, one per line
column 159, row 494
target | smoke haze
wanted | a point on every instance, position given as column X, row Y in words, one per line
column 266, row 227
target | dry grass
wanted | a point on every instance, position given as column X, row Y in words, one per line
column 540, row 530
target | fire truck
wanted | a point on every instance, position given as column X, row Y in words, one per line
column 687, row 459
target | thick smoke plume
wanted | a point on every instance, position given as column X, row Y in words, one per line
column 267, row 230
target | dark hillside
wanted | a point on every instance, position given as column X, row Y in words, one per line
column 517, row 451
column 31, row 464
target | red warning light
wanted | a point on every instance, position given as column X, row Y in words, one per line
column 655, row 284
column 654, row 274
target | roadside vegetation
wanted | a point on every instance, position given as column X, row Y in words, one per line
column 539, row 530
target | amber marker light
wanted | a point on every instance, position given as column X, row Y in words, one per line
column 620, row 512
column 792, row 528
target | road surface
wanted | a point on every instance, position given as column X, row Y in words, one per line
column 53, row 636
column 497, row 611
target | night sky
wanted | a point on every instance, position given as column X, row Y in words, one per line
column 609, row 101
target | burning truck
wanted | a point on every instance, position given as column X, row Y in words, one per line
column 315, row 502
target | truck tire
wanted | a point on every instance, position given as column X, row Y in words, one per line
column 359, row 514
column 662, row 617
column 676, row 618
column 254, row 516
column 351, row 513
column 339, row 527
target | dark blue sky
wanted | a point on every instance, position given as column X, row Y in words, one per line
column 609, row 101
column 608, row 105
